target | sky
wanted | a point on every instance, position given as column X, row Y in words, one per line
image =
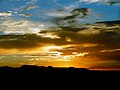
column 60, row 33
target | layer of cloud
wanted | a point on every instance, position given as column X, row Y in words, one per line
column 93, row 47
column 10, row 26
column 97, row 36
column 70, row 18
column 101, row 1
column 18, row 9
column 5, row 14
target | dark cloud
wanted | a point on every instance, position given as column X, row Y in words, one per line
column 73, row 29
column 74, row 16
column 80, row 11
column 29, row 7
column 105, row 38
column 106, row 55
column 25, row 14
column 110, row 23
column 27, row 41
column 111, row 2
column 60, row 10
column 17, row 41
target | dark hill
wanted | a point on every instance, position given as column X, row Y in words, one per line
column 110, row 23
column 41, row 73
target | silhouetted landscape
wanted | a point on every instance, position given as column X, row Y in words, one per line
column 41, row 73
column 60, row 41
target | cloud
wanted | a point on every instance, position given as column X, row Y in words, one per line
column 113, row 50
column 12, row 42
column 107, row 55
column 71, row 18
column 20, row 26
column 59, row 14
column 93, row 1
column 5, row 14
column 27, row 41
column 26, row 15
column 100, row 37
column 20, row 9
column 30, row 7
column 101, row 1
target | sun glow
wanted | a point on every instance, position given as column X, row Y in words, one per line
column 57, row 53
column 48, row 35
column 49, row 48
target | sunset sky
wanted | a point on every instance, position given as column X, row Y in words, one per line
column 60, row 33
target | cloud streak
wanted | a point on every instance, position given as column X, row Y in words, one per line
column 10, row 26
column 101, row 1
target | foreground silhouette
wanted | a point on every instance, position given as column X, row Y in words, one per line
column 41, row 73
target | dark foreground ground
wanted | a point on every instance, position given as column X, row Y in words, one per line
column 36, row 73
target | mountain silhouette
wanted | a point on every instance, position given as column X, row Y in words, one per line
column 41, row 73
